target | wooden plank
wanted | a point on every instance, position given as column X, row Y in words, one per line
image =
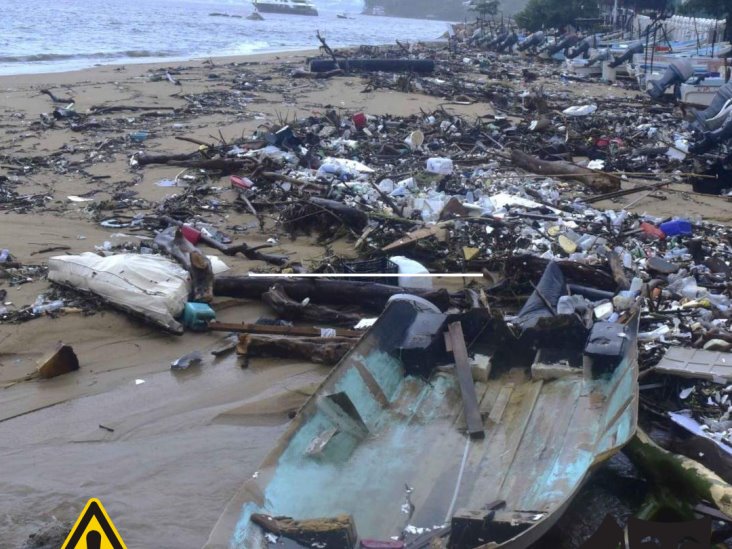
column 439, row 230
column 277, row 330
column 500, row 405
column 465, row 380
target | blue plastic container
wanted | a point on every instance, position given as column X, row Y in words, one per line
column 676, row 227
column 196, row 316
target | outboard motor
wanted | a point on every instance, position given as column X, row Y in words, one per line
column 635, row 47
column 476, row 37
column 508, row 43
column 568, row 41
column 712, row 138
column 532, row 41
column 722, row 96
column 677, row 72
column 582, row 47
column 497, row 40
column 602, row 55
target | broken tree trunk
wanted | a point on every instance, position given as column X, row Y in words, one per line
column 289, row 309
column 233, row 249
column 320, row 350
column 616, row 266
column 597, row 181
column 331, row 292
column 196, row 263
column 678, row 482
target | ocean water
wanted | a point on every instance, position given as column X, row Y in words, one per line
column 61, row 35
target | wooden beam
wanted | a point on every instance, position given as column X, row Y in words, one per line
column 305, row 331
column 465, row 380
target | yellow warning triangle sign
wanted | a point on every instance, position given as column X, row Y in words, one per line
column 94, row 530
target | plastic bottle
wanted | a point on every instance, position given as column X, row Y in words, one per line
column 654, row 335
column 4, row 255
column 438, row 165
column 241, row 182
column 139, row 136
column 636, row 285
column 386, row 185
column 40, row 307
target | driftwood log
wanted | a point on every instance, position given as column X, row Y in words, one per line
column 368, row 295
column 320, row 350
column 302, row 73
column 337, row 531
column 194, row 160
column 290, row 309
column 196, row 263
column 145, row 159
column 350, row 216
column 522, row 269
column 597, row 181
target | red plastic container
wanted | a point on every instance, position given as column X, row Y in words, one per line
column 190, row 234
column 359, row 120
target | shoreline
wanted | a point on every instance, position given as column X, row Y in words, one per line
column 262, row 56
column 227, row 58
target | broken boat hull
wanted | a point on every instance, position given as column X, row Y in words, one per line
column 384, row 441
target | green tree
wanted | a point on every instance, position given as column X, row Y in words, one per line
column 720, row 9
column 484, row 8
column 540, row 14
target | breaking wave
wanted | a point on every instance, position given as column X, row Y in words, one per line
column 99, row 55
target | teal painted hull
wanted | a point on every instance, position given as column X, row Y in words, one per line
column 383, row 439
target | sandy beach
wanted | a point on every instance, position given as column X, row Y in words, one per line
column 180, row 446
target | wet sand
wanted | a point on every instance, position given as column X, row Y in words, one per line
column 182, row 443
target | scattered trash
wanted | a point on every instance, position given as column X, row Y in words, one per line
column 539, row 196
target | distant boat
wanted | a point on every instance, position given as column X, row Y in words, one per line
column 375, row 10
column 293, row 7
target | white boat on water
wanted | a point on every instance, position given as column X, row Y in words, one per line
column 292, row 7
